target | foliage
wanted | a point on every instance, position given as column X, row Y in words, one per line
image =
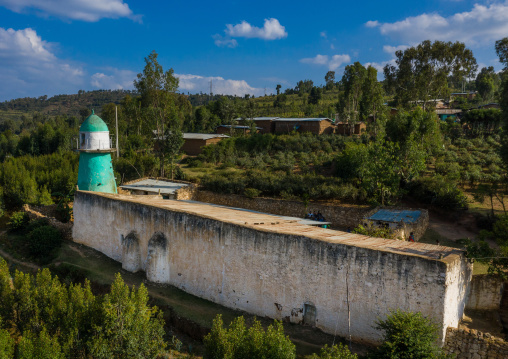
column 48, row 319
column 421, row 72
column 373, row 231
column 408, row 335
column 438, row 191
column 240, row 342
column 252, row 192
column 482, row 121
column 18, row 221
column 43, row 242
column 337, row 351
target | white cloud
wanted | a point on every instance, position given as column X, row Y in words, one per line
column 196, row 84
column 224, row 41
column 30, row 68
column 271, row 30
column 392, row 49
column 333, row 62
column 115, row 79
column 379, row 66
column 85, row 10
column 481, row 25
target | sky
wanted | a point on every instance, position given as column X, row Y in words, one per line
column 50, row 47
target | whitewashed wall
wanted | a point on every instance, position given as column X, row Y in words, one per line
column 270, row 274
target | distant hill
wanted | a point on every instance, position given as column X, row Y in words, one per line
column 69, row 105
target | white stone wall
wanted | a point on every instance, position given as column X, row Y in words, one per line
column 94, row 140
column 272, row 274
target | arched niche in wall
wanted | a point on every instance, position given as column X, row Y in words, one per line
column 309, row 314
column 131, row 254
column 157, row 267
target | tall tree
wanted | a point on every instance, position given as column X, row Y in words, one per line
column 330, row 79
column 502, row 52
column 277, row 88
column 486, row 83
column 349, row 103
column 372, row 100
column 421, row 72
column 157, row 89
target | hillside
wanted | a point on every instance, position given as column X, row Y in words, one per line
column 69, row 105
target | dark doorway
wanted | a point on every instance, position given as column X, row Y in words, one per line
column 309, row 314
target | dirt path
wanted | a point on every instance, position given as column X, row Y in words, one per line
column 452, row 230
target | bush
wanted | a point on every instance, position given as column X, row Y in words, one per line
column 252, row 192
column 238, row 342
column 374, row 231
column 438, row 191
column 18, row 221
column 335, row 352
column 43, row 242
column 408, row 335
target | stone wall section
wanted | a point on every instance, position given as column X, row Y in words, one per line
column 64, row 228
column 467, row 343
column 485, row 292
column 341, row 216
column 283, row 275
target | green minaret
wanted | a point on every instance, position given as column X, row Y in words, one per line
column 95, row 165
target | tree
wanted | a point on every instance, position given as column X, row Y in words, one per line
column 157, row 89
column 421, row 72
column 314, row 96
column 330, row 79
column 486, row 83
column 372, row 100
column 303, row 87
column 408, row 335
column 173, row 143
column 334, row 352
column 502, row 52
column 349, row 103
column 277, row 88
column 240, row 342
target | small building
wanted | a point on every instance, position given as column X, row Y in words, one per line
column 318, row 126
column 444, row 113
column 265, row 124
column 346, row 129
column 237, row 130
column 156, row 187
column 194, row 142
column 401, row 221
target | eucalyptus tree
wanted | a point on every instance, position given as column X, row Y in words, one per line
column 421, row 72
column 157, row 89
column 349, row 102
column 502, row 52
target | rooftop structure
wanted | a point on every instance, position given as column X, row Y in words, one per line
column 393, row 215
column 153, row 187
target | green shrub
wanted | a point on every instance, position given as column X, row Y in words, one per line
column 252, row 192
column 408, row 335
column 335, row 352
column 374, row 231
column 438, row 191
column 43, row 243
column 18, row 221
column 36, row 223
column 239, row 342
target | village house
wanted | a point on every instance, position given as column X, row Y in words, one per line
column 346, row 129
column 237, row 130
column 318, row 126
column 194, row 142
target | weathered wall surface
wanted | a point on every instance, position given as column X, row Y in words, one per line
column 485, row 292
column 340, row 216
column 467, row 343
column 267, row 273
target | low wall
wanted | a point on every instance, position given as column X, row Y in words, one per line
column 279, row 269
column 485, row 292
column 341, row 216
column 467, row 343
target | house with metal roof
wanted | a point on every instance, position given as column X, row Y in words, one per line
column 237, row 130
column 194, row 142
column 402, row 222
column 317, row 126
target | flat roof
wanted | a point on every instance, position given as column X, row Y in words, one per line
column 277, row 224
column 256, row 118
column 202, row 136
column 153, row 186
column 239, row 126
column 395, row 215
column 297, row 119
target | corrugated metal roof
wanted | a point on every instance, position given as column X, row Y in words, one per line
column 238, row 127
column 202, row 136
column 153, row 186
column 395, row 216
column 309, row 119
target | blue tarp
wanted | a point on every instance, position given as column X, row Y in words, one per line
column 395, row 216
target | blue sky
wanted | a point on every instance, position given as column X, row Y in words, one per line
column 53, row 47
